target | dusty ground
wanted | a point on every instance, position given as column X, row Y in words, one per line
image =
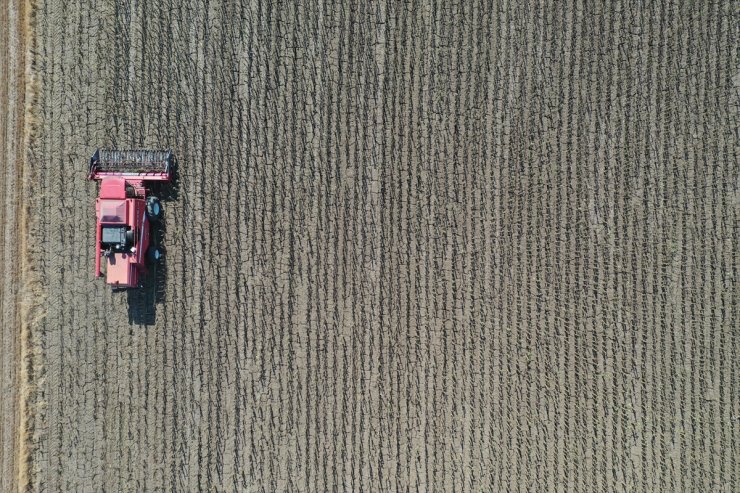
column 12, row 157
column 423, row 246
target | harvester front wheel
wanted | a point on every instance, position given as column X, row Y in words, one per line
column 153, row 208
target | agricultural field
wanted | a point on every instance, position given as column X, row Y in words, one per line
column 410, row 246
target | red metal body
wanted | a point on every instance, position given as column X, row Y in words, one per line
column 114, row 208
column 121, row 209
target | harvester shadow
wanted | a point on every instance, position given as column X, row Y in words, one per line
column 142, row 302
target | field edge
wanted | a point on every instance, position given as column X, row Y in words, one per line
column 31, row 290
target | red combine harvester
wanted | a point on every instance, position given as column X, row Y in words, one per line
column 125, row 211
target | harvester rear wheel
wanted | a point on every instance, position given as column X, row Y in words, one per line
column 154, row 255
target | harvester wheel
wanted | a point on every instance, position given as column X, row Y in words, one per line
column 153, row 208
column 154, row 255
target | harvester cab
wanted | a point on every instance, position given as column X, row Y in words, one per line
column 125, row 211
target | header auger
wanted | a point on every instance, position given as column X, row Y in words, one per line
column 125, row 211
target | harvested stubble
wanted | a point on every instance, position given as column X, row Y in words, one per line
column 428, row 246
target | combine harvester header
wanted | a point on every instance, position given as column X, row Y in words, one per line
column 125, row 211
column 135, row 164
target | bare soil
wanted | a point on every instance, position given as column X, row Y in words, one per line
column 427, row 246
